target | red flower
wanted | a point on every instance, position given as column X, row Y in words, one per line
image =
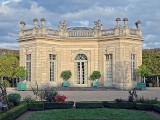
column 59, row 98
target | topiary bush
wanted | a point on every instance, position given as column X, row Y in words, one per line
column 95, row 75
column 14, row 98
column 66, row 74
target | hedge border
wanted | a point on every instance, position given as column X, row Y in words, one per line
column 89, row 104
column 119, row 105
column 15, row 112
column 55, row 105
column 142, row 106
column 36, row 106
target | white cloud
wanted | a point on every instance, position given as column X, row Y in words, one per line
column 35, row 8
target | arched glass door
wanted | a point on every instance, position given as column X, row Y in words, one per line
column 80, row 69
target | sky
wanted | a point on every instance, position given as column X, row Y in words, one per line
column 79, row 13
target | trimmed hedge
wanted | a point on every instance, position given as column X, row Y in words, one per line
column 142, row 106
column 55, row 105
column 36, row 106
column 89, row 104
column 156, row 107
column 15, row 112
column 119, row 105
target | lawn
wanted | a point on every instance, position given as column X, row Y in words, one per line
column 96, row 114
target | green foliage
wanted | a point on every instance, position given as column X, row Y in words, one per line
column 14, row 98
column 49, row 94
column 132, row 95
column 21, row 72
column 147, row 101
column 36, row 106
column 143, row 71
column 120, row 105
column 3, row 95
column 89, row 104
column 95, row 75
column 14, row 113
column 28, row 99
column 55, row 105
column 5, row 83
column 66, row 74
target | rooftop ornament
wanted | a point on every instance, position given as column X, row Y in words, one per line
column 22, row 25
column 35, row 20
column 125, row 22
column 42, row 22
column 118, row 22
column 138, row 23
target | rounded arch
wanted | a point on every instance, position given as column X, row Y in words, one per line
column 80, row 52
column 81, row 57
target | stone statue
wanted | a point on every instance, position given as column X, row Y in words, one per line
column 98, row 25
column 62, row 26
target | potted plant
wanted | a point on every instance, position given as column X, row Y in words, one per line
column 66, row 75
column 95, row 76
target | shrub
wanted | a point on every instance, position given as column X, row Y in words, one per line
column 5, row 83
column 147, row 101
column 120, row 100
column 59, row 98
column 28, row 99
column 49, row 94
column 89, row 104
column 95, row 75
column 14, row 113
column 14, row 98
column 66, row 74
column 54, row 105
column 36, row 106
column 120, row 105
column 132, row 95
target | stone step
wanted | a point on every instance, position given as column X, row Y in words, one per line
column 84, row 88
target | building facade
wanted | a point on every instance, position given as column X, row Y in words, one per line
column 115, row 52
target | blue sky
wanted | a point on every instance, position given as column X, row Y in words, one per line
column 79, row 13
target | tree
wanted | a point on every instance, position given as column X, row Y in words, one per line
column 143, row 71
column 21, row 72
column 152, row 60
column 8, row 65
column 122, row 72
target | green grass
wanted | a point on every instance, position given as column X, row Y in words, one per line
column 101, row 113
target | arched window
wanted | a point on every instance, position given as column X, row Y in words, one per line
column 81, row 57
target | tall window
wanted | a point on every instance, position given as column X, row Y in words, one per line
column 109, row 67
column 52, row 67
column 28, row 66
column 133, row 67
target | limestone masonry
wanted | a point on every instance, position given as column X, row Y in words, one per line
column 115, row 52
